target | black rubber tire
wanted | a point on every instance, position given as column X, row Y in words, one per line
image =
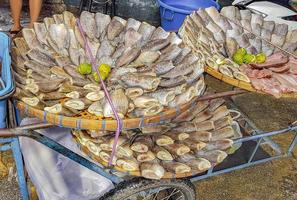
column 128, row 188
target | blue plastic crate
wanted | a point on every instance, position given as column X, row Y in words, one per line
column 173, row 13
column 6, row 76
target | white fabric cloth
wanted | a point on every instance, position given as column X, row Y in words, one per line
column 55, row 176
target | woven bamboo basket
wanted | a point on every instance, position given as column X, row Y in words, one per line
column 240, row 84
column 227, row 79
column 167, row 175
column 108, row 125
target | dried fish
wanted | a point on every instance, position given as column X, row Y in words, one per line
column 176, row 167
column 152, row 170
column 146, row 82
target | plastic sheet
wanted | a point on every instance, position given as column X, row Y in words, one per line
column 55, row 176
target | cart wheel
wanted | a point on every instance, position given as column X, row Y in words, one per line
column 139, row 188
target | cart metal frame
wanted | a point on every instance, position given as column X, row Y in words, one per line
column 250, row 134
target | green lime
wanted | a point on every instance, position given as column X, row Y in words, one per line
column 238, row 58
column 260, row 58
column 249, row 58
column 241, row 51
column 84, row 68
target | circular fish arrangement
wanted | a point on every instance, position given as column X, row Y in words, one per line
column 146, row 69
column 193, row 142
column 242, row 49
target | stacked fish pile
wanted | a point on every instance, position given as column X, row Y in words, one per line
column 196, row 140
column 216, row 38
column 151, row 70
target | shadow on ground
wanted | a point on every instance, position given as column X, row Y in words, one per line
column 276, row 180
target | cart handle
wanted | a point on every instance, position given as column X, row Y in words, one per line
column 20, row 130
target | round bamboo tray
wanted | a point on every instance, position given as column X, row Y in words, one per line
column 240, row 84
column 167, row 175
column 108, row 125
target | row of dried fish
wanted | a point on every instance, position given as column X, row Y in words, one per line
column 204, row 46
column 193, row 142
column 151, row 70
column 212, row 34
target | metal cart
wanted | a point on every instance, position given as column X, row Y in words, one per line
column 256, row 147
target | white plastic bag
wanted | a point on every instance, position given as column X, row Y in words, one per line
column 55, row 176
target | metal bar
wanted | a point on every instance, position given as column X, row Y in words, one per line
column 6, row 96
column 293, row 144
column 267, row 134
column 250, row 123
column 18, row 131
column 90, row 2
column 209, row 171
column 72, row 155
column 255, row 150
column 112, row 8
column 273, row 145
column 197, row 178
column 81, row 5
column 20, row 168
column 5, row 147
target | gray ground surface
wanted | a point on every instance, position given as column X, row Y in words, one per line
column 8, row 190
column 276, row 180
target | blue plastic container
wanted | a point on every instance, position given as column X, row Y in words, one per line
column 174, row 12
column 6, row 77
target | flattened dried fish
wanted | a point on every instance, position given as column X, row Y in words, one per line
column 128, row 56
column 142, row 144
column 88, row 24
column 184, row 98
column 159, row 33
column 102, row 22
column 36, row 67
column 146, row 30
column 146, row 58
column 69, row 19
column 115, row 27
column 96, row 109
column 49, row 85
column 162, row 154
column 41, row 58
column 146, row 157
column 152, row 170
column 215, row 156
column 71, row 70
column 59, row 35
column 155, row 45
column 133, row 23
column 105, row 49
column 163, row 96
column 219, row 145
column 177, row 149
column 48, row 21
column 59, row 19
column 30, row 38
column 145, row 102
column 163, row 67
column 164, row 140
column 128, row 164
column 41, row 32
column 120, row 102
column 146, row 82
column 168, row 83
column 133, row 92
column 170, row 52
column 223, row 133
column 132, row 37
